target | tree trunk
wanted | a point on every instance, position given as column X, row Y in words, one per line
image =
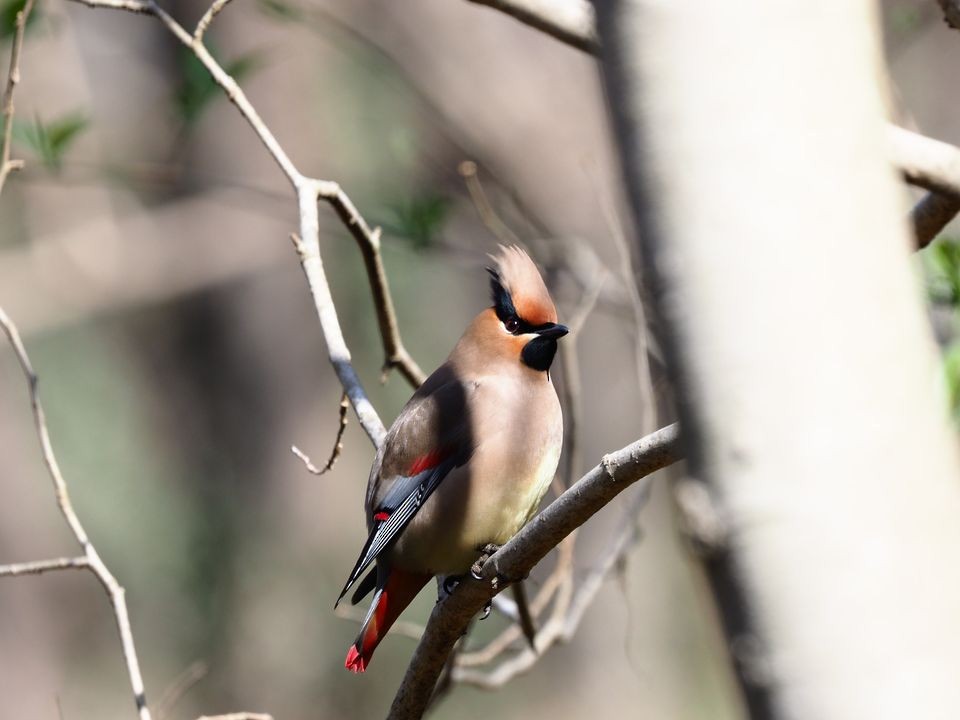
column 773, row 237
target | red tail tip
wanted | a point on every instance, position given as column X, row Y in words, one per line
column 355, row 661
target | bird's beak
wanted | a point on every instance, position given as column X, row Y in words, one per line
column 553, row 330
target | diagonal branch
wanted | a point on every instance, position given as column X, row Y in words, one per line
column 91, row 558
column 7, row 165
column 615, row 473
column 570, row 21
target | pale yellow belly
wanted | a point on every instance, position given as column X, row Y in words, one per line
column 487, row 501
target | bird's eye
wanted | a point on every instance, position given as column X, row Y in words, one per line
column 512, row 325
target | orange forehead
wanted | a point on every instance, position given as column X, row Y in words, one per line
column 533, row 310
column 521, row 279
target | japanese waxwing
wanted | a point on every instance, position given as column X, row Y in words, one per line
column 465, row 464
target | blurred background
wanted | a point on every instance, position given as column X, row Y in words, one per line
column 144, row 254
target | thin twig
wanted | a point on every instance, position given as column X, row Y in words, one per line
column 307, row 243
column 114, row 590
column 570, row 21
column 207, row 18
column 238, row 716
column 7, row 165
column 337, row 443
column 489, row 216
column 450, row 616
column 395, row 354
column 37, row 567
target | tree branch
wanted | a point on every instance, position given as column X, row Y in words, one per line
column 615, row 473
column 922, row 161
column 37, row 567
column 7, row 165
column 309, row 191
column 91, row 558
column 570, row 21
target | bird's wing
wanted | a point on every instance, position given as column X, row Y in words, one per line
column 430, row 438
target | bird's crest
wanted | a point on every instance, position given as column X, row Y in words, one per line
column 518, row 289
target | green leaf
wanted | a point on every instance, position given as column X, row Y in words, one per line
column 419, row 219
column 8, row 17
column 49, row 142
column 942, row 264
column 951, row 370
column 279, row 10
column 199, row 89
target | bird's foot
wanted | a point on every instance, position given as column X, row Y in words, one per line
column 486, row 551
column 485, row 613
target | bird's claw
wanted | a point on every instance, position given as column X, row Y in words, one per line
column 485, row 613
column 486, row 552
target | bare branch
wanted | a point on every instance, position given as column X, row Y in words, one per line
column 489, row 216
column 931, row 215
column 135, row 6
column 114, row 590
column 207, row 18
column 616, row 472
column 337, row 443
column 308, row 191
column 41, row 566
column 951, row 12
column 395, row 354
column 925, row 162
column 563, row 624
column 570, row 21
column 308, row 251
column 7, row 165
column 237, row 716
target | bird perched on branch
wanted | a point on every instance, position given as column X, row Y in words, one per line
column 465, row 464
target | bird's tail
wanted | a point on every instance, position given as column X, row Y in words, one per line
column 389, row 601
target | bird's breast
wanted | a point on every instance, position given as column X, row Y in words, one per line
column 517, row 448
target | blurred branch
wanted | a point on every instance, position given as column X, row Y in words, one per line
column 922, row 161
column 615, row 473
column 237, row 716
column 951, row 12
column 570, row 21
column 489, row 216
column 931, row 215
column 7, row 165
column 194, row 673
column 91, row 559
column 925, row 162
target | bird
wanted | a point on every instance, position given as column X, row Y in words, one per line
column 468, row 459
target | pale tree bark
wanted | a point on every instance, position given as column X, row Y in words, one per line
column 754, row 150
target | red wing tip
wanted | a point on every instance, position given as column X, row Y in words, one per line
column 355, row 661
